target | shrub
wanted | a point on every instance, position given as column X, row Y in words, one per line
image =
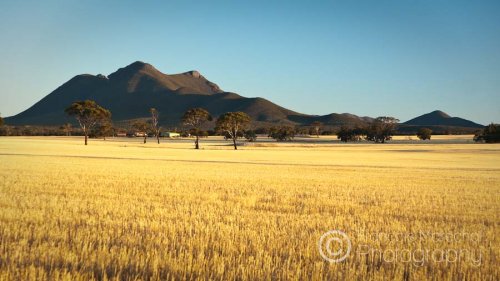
column 424, row 133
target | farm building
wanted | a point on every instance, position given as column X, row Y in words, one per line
column 171, row 135
column 137, row 134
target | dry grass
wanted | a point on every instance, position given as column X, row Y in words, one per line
column 123, row 210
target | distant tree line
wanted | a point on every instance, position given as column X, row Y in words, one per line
column 95, row 122
column 380, row 130
column 28, row 130
column 490, row 134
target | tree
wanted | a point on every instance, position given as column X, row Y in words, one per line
column 346, row 134
column 262, row 130
column 195, row 118
column 424, row 133
column 67, row 129
column 284, row 133
column 227, row 136
column 381, row 129
column 105, row 129
column 154, row 123
column 490, row 134
column 232, row 123
column 316, row 125
column 250, row 135
column 302, row 130
column 4, row 131
column 88, row 113
column 142, row 127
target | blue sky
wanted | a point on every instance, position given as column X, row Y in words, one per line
column 401, row 58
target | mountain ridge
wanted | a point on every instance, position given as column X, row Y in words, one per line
column 131, row 91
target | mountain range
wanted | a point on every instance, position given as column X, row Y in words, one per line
column 131, row 91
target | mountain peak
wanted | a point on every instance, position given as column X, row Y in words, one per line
column 439, row 113
column 132, row 69
column 138, row 66
column 440, row 118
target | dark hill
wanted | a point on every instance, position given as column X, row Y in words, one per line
column 131, row 91
column 334, row 119
column 439, row 118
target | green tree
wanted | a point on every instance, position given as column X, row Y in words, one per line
column 347, row 134
column 4, row 130
column 381, row 129
column 195, row 118
column 344, row 134
column 316, row 126
column 67, row 129
column 262, row 130
column 88, row 113
column 142, row 127
column 227, row 136
column 154, row 123
column 284, row 133
column 105, row 129
column 490, row 134
column 424, row 133
column 250, row 135
column 233, row 123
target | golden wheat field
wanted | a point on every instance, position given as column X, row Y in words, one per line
column 123, row 210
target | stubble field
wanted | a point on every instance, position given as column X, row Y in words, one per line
column 124, row 210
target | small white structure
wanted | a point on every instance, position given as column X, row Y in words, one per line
column 141, row 134
column 171, row 135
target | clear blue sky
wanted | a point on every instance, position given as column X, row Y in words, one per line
column 401, row 58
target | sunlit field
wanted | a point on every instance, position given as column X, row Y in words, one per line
column 120, row 209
